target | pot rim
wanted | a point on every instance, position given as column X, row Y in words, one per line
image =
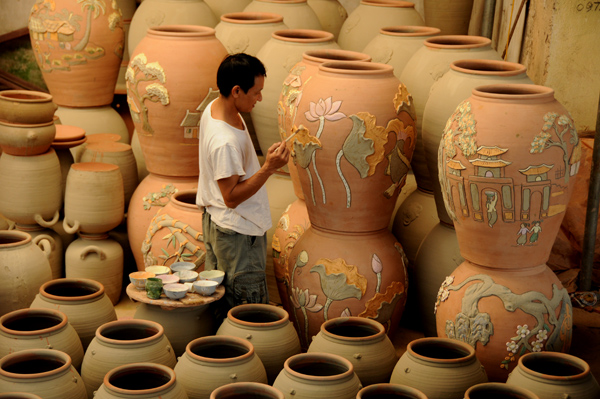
column 117, row 325
column 30, row 354
column 474, row 66
column 23, row 313
column 252, row 18
column 571, row 360
column 72, row 281
column 17, row 125
column 132, row 368
column 320, row 357
column 388, row 3
column 234, row 313
column 378, row 329
column 320, row 56
column 357, row 68
column 220, row 339
column 245, row 387
column 514, row 92
column 391, row 388
column 283, row 1
column 34, row 96
column 409, row 31
column 457, row 42
column 177, row 200
column 178, row 31
column 20, row 238
column 503, row 388
column 303, row 35
column 469, row 352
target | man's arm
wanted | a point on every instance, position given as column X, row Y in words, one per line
column 235, row 191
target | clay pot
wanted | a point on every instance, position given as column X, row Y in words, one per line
column 26, row 139
column 318, row 375
column 332, row 275
column 94, row 199
column 141, row 380
column 354, row 145
column 170, row 79
column 57, row 253
column 78, row 58
column 279, row 55
column 554, row 376
column 269, row 330
column 97, row 257
column 26, row 106
column 119, row 154
column 211, row 362
column 447, row 93
column 331, row 14
column 424, row 68
column 394, row 45
column 67, row 137
column 122, row 342
column 96, row 138
column 18, row 395
column 363, row 24
column 222, row 7
column 247, row 32
column 241, row 390
column 509, row 191
column 363, row 342
column 451, row 17
column 156, row 13
column 504, row 313
column 42, row 329
column 151, row 195
column 175, row 233
column 490, row 390
column 390, row 391
column 35, row 194
column 297, row 14
column 139, row 157
column 439, row 367
column 291, row 93
column 82, row 300
column 25, row 268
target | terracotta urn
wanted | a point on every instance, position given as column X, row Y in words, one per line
column 353, row 144
column 48, row 373
column 269, row 330
column 390, row 391
column 246, row 32
column 331, row 13
column 318, row 375
column 241, row 390
column 78, row 48
column 363, row 342
column 222, row 7
column 128, row 8
column 25, row 267
column 82, row 300
column 122, row 342
column 283, row 50
column 211, row 362
column 297, row 14
column 364, row 22
column 170, row 80
column 39, row 329
column 26, row 106
column 141, row 380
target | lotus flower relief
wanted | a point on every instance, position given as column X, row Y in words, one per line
column 291, row 94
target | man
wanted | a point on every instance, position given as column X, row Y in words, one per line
column 231, row 183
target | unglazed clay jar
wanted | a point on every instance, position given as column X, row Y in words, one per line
column 439, row 367
column 26, row 106
column 363, row 24
column 25, row 139
column 48, row 373
column 246, row 32
column 363, row 342
column 57, row 253
column 122, row 342
column 222, row 7
column 498, row 390
column 80, row 62
column 42, row 329
column 397, row 391
column 297, row 14
column 170, row 80
column 331, row 14
column 242, row 390
column 452, row 17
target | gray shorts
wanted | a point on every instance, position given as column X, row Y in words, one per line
column 243, row 258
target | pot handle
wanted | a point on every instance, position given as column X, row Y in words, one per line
column 93, row 249
column 71, row 229
column 40, row 220
column 32, row 135
column 46, row 243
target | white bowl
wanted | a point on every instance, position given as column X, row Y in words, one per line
column 186, row 276
column 138, row 279
column 175, row 290
column 212, row 275
column 179, row 266
column 158, row 270
column 205, row 287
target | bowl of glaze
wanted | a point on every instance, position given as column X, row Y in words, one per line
column 186, row 276
column 168, row 278
column 205, row 287
column 212, row 275
column 179, row 266
column 175, row 290
column 138, row 279
column 158, row 270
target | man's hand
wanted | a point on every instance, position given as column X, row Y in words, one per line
column 277, row 156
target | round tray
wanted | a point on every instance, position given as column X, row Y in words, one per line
column 191, row 299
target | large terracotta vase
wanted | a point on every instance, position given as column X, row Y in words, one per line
column 155, row 13
column 39, row 328
column 222, row 7
column 394, row 45
column 297, row 14
column 48, row 373
column 279, row 55
column 363, row 24
column 170, row 80
column 331, row 14
column 246, row 32
column 452, row 17
column 25, row 266
column 128, row 8
column 79, row 47
column 122, row 342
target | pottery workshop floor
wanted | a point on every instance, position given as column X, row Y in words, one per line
column 586, row 333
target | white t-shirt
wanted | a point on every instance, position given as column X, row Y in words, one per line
column 225, row 151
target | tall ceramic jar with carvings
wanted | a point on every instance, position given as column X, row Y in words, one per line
column 510, row 191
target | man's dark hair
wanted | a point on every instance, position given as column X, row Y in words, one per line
column 238, row 69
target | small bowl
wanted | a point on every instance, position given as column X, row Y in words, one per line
column 168, row 278
column 212, row 275
column 179, row 266
column 158, row 270
column 175, row 290
column 138, row 279
column 186, row 276
column 205, row 287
